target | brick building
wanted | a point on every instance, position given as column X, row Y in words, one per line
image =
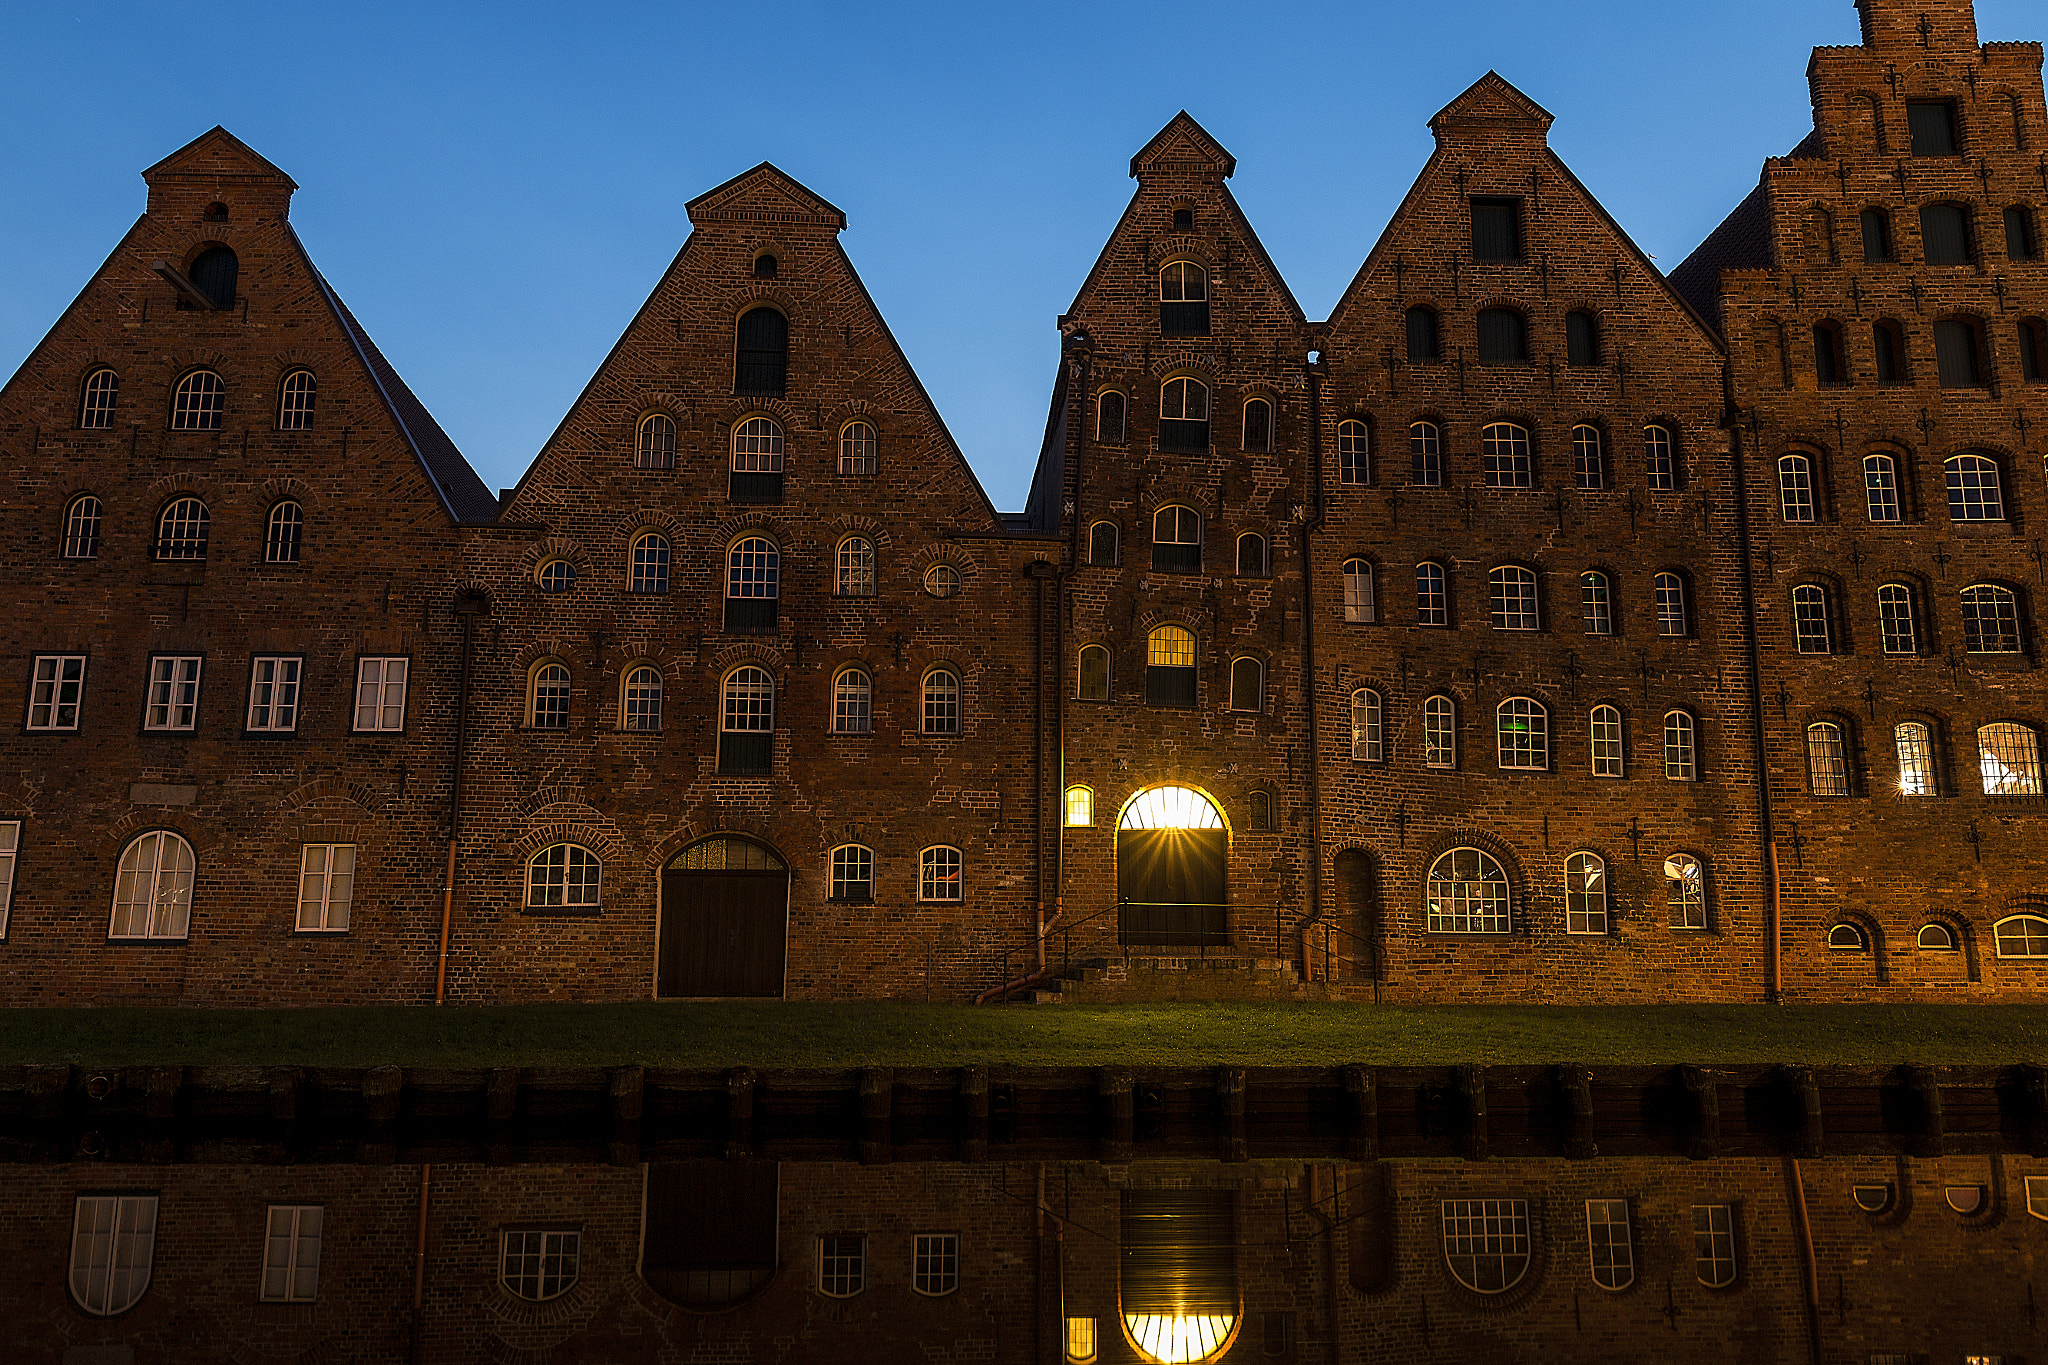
column 1535, row 627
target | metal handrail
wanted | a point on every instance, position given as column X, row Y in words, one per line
column 1002, row 960
column 1371, row 949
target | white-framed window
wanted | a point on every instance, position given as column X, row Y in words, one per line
column 2037, row 1196
column 939, row 713
column 1881, row 487
column 1585, row 894
column 746, row 723
column 1898, row 625
column 1360, row 602
column 1366, row 711
column 1512, row 589
column 380, row 694
column 173, row 692
column 1105, row 544
column 1914, row 742
column 1432, row 595
column 10, row 849
column 1827, row 759
column 1608, row 1244
column 640, row 700
column 1354, row 452
column 1680, row 763
column 82, row 528
column 1092, row 673
column 295, row 397
column 753, row 570
column 939, row 874
column 283, row 532
column 1183, row 282
column 274, row 693
column 2021, row 936
column 1439, row 732
column 563, row 877
column 1467, row 893
column 1795, row 488
column 842, row 1265
column 757, row 446
column 1713, row 1245
column 1973, row 488
column 1080, row 807
column 853, row 702
column 182, row 529
column 55, row 690
column 1081, row 1346
column 942, row 581
column 1425, row 455
column 1847, row 938
column 197, row 402
column 854, row 568
column 2009, row 758
column 853, row 873
column 1991, row 619
column 113, row 1246
column 935, row 1263
column 1523, row 726
column 1177, row 540
column 538, row 1264
column 96, row 400
column 1184, row 414
column 1685, row 886
column 153, row 887
column 1486, row 1243
column 547, row 706
column 1674, row 613
column 1935, row 938
column 291, row 1253
column 1589, row 458
column 1596, row 602
column 1504, row 455
column 1660, row 459
column 327, row 883
column 858, row 448
column 655, row 446
column 1608, row 751
column 649, row 563
column 1247, row 684
column 1812, row 623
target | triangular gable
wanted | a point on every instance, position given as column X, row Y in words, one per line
column 217, row 154
column 1183, row 147
column 1491, row 102
column 764, row 195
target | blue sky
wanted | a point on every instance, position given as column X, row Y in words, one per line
column 495, row 189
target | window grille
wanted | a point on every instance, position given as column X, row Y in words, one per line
column 1080, row 1344
column 1973, row 490
column 1827, row 759
column 380, row 693
column 1898, row 627
column 1596, row 603
column 1795, row 488
column 1177, row 540
column 1713, row 1245
column 1183, row 300
column 854, row 575
column 1365, row 726
column 656, row 448
column 1184, row 415
column 1425, row 455
column 853, row 702
column 1678, row 747
column 1503, row 337
column 274, row 693
column 757, row 461
column 1468, row 894
column 641, row 708
column 650, row 564
column 1585, row 894
column 295, row 399
column 1432, row 598
column 1589, row 459
column 1079, row 808
column 1513, row 592
column 1685, row 886
column 1359, row 601
column 1486, row 1242
column 1605, row 724
column 113, row 1245
column 1881, row 487
column 173, row 693
column 82, row 528
column 1811, row 624
column 853, row 873
column 1109, row 418
column 564, row 877
column 1354, row 452
column 540, row 1264
column 282, row 533
column 941, row 710
column 1673, row 617
column 55, row 690
column 2009, row 757
column 557, row 575
column 153, row 888
column 1524, row 731
column 2021, row 936
column 1439, row 733
column 1660, row 459
column 763, row 353
column 939, row 874
column 182, row 529
column 753, row 585
column 1915, row 745
column 1094, row 665
column 935, row 1262
column 198, row 401
column 1607, row 1240
column 327, row 882
column 1170, row 666
column 291, row 1253
column 942, row 580
column 746, row 725
column 1847, row 938
column 96, row 400
column 549, row 709
column 1504, row 450
column 1425, row 340
column 1991, row 619
column 1258, row 425
column 859, row 449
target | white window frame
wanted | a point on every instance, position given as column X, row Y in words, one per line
column 1881, row 488
column 935, row 1263
column 291, row 1253
column 853, row 866
column 640, row 705
column 274, row 701
column 82, row 517
column 1681, row 746
column 859, row 454
column 1368, row 711
column 1713, row 1245
column 554, row 715
column 1610, row 1249
column 172, row 703
column 1257, row 667
column 1686, row 895
column 647, row 564
column 197, row 405
column 1596, row 602
column 296, row 395
column 854, row 568
column 1898, row 619
column 51, row 680
column 941, row 875
column 113, row 1249
column 1354, row 452
column 10, row 851
column 1827, row 758
column 1361, row 603
column 380, row 693
column 1512, row 590
column 285, row 512
column 1078, row 810
column 1477, row 1232
column 757, row 446
column 97, row 400
column 1505, row 455
column 327, row 879
column 1432, row 602
column 941, row 703
column 161, row 908
column 1976, row 485
column 1439, row 732
column 654, row 442
column 2026, row 939
column 1674, row 610
column 1795, row 489
column 1515, row 756
column 549, row 884
column 1588, row 872
column 853, row 702
column 1660, row 459
column 1425, row 455
column 1609, row 746
column 1589, row 458
column 1474, row 899
column 552, row 1262
column 1913, row 742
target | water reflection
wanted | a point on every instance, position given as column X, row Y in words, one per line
column 1757, row 1259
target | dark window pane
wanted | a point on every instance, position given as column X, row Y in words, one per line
column 1168, row 558
column 1934, row 129
column 1095, row 674
column 1423, row 343
column 1258, row 425
column 1827, row 354
column 2031, row 343
column 1175, row 434
column 1102, row 544
column 756, row 487
column 1111, row 431
column 1167, row 686
column 1496, row 230
column 746, row 753
column 1244, row 685
column 1877, row 236
column 1581, row 339
column 763, row 353
column 750, row 615
column 2019, row 234
column 1945, row 234
column 215, row 273
column 1183, row 218
column 1885, row 343
column 1502, row 335
column 1955, row 351
column 1184, row 319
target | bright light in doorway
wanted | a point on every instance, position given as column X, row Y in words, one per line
column 1171, row 808
column 1173, row 1340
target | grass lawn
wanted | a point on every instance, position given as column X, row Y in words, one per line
column 780, row 1034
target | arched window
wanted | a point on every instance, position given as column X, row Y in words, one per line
column 1973, row 489
column 2009, row 757
column 1660, row 458
column 1991, row 619
column 1512, row 589
column 82, row 528
column 1827, row 759
column 1847, row 938
column 656, row 446
column 1888, row 351
column 1713, row 1241
column 1079, row 807
column 1674, row 614
column 1581, row 338
column 939, row 711
column 1094, row 670
column 1959, row 353
column 1898, row 619
column 1183, row 300
column 214, row 272
column 1795, row 488
column 113, row 1248
column 1685, row 888
column 153, row 887
column 96, row 400
column 1524, row 729
column 1177, row 540
column 853, row 702
column 1828, row 364
column 757, row 460
column 1110, row 411
column 1425, row 338
column 766, row 266
column 1103, row 544
column 854, row 571
column 1251, row 555
column 2033, row 337
column 1605, row 732
column 939, row 874
column 1881, row 487
column 1608, row 1244
column 547, row 706
column 1877, row 236
column 1260, row 810
column 181, row 530
column 1503, row 337
column 1486, row 1243
column 1820, row 237
column 1467, row 894
column 753, row 584
column 1935, row 938
column 1679, row 760
column 1365, row 726
column 295, row 401
column 1813, row 619
column 942, row 580
column 1596, row 602
column 1432, row 595
column 853, row 873
column 1354, row 452
column 1585, row 894
column 859, row 449
column 649, row 563
column 1504, row 450
column 1439, row 732
column 2021, row 936
column 763, row 353
column 1914, row 742
column 640, row 699
column 1184, row 415
column 1247, row 684
column 1945, row 234
column 563, row 877
column 1360, row 603
column 198, row 401
column 1170, row 666
column 282, row 530
column 1258, row 424
column 746, row 722
column 1589, row 457
column 1425, row 455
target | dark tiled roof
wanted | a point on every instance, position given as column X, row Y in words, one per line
column 1811, row 148
column 1742, row 242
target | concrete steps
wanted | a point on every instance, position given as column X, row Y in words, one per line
column 1136, row 977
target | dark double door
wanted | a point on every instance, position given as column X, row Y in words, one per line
column 722, row 932
column 1170, row 887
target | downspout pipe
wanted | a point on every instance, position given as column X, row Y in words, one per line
column 1310, row 524
column 1745, row 581
column 470, row 603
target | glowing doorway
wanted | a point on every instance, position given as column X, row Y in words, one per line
column 1172, row 850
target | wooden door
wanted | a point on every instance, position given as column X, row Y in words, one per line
column 710, row 1236
column 1170, row 883
column 722, row 933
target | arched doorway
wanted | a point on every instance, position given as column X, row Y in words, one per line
column 724, row 920
column 1177, row 1291
column 708, row 1233
column 1171, row 852
column 1355, row 951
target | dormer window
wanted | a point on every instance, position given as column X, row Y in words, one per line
column 1933, row 125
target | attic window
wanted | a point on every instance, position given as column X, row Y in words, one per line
column 214, row 273
column 1933, row 124
column 1183, row 219
column 216, row 212
column 1496, row 230
column 765, row 266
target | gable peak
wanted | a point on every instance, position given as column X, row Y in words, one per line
column 1490, row 103
column 216, row 154
column 1183, row 146
column 764, row 194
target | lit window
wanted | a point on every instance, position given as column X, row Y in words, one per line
column 548, row 701
column 1915, row 745
column 1486, row 1242
column 746, row 722
column 753, row 585
column 1713, row 1245
column 1258, row 426
column 1425, row 455
column 1365, row 726
column 1660, row 459
column 96, row 403
column 1247, row 685
column 1935, row 938
column 1184, row 415
column 295, row 401
column 853, row 873
column 942, row 580
column 54, row 692
column 10, row 849
column 853, row 702
column 762, row 358
column 656, row 447
column 1183, row 299
column 935, row 1263
column 1795, row 488
column 1504, row 451
column 1673, row 618
column 1251, row 555
column 1973, row 490
column 858, row 447
column 1991, row 619
column 1177, row 540
column 1467, row 894
column 274, row 693
column 854, row 575
column 1354, row 452
column 1170, row 666
column 1897, row 623
column 2021, row 936
column 282, row 532
column 640, row 707
column 291, row 1253
column 842, row 1266
column 327, row 883
column 1685, row 887
column 1513, row 592
column 1524, row 729
column 940, row 712
column 539, row 1264
column 197, row 402
column 649, row 564
column 380, row 694
column 181, row 530
column 938, row 874
column 563, row 877
column 1080, row 807
column 1094, row 673
column 173, row 693
column 1812, row 627
column 1607, row 745
column 1081, row 1346
column 2009, row 757
column 1109, row 418
column 1439, row 733
column 1589, row 458
column 1881, row 487
column 1847, row 938
column 82, row 528
column 1359, row 604
column 113, row 1244
column 1827, row 759
column 557, row 575
column 153, row 888
column 1597, row 602
column 1607, row 1240
column 1103, row 539
column 1585, row 894
column 1432, row 598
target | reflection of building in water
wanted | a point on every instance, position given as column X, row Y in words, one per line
column 1921, row 1259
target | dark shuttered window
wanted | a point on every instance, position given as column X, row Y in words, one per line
column 1957, row 354
column 215, row 273
column 2033, row 348
column 1889, row 347
column 763, row 353
column 1827, row 354
column 1877, row 237
column 1496, row 230
column 1945, row 234
column 2019, row 234
column 1503, row 336
column 1581, row 338
column 1934, row 128
column 1424, row 343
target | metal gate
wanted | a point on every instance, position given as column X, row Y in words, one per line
column 724, row 921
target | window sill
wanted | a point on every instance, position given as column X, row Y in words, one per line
column 549, row 911
column 636, row 734
column 138, row 942
column 751, row 773
column 319, row 933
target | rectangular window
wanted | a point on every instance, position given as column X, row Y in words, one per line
column 1614, row 1265
column 1365, row 727
column 1896, row 628
column 1432, row 600
column 1081, row 1348
column 2019, row 234
column 1933, row 126
column 54, row 693
column 938, row 876
column 1607, row 749
column 380, row 694
column 10, row 848
column 327, row 880
column 935, row 1262
column 540, row 1264
column 291, row 1253
column 842, row 1265
column 1956, row 355
column 274, row 693
column 1713, row 1243
column 1659, row 459
column 1795, row 488
column 1881, row 488
column 1496, row 230
column 173, row 693
column 113, row 1245
column 1916, row 758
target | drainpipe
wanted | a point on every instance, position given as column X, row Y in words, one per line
column 419, row 1264
column 1812, row 1265
column 470, row 603
column 1745, row 582
column 1309, row 526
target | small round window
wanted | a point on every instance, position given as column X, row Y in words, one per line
column 942, row 580
column 557, row 575
column 1871, row 1198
